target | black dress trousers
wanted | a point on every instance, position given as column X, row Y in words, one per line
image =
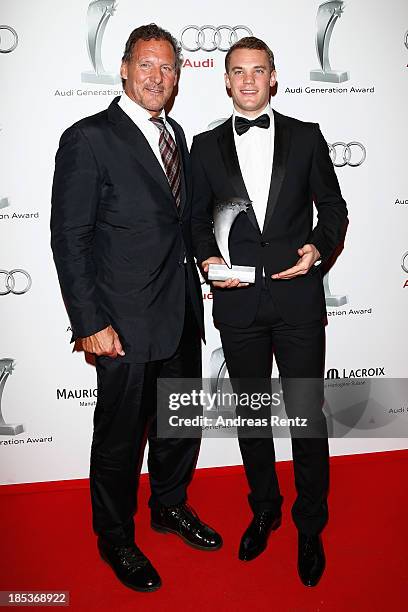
column 125, row 415
column 299, row 352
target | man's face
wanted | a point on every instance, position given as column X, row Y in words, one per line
column 249, row 80
column 150, row 74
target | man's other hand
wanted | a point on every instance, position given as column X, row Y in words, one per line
column 105, row 342
column 227, row 284
column 308, row 256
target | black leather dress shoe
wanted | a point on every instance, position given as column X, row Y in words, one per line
column 184, row 521
column 255, row 538
column 131, row 566
column 311, row 560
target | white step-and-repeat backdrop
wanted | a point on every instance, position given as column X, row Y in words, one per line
column 49, row 80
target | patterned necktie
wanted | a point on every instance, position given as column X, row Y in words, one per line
column 170, row 156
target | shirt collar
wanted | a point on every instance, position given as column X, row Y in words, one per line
column 139, row 114
column 267, row 110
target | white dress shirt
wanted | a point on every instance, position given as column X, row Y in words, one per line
column 140, row 116
column 255, row 155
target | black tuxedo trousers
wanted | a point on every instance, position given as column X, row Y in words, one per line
column 299, row 353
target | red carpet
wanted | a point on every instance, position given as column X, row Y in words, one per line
column 47, row 544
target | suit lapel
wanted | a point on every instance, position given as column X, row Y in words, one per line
column 280, row 157
column 229, row 155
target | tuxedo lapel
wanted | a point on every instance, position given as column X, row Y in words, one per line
column 139, row 148
column 280, row 156
column 229, row 155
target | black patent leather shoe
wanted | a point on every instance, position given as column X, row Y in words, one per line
column 131, row 566
column 255, row 538
column 311, row 560
column 184, row 521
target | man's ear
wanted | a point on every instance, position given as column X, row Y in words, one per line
column 124, row 70
column 273, row 78
column 227, row 81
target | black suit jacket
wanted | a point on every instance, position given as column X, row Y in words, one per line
column 302, row 173
column 118, row 239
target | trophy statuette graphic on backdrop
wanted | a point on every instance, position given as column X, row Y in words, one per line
column 99, row 13
column 332, row 300
column 7, row 429
column 327, row 15
column 225, row 214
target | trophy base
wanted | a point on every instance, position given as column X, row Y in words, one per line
column 9, row 429
column 246, row 274
column 336, row 300
column 332, row 76
column 105, row 78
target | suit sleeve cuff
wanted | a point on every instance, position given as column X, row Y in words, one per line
column 85, row 330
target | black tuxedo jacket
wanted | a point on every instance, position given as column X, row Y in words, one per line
column 118, row 239
column 302, row 173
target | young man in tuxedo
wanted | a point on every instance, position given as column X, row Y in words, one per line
column 121, row 210
column 282, row 166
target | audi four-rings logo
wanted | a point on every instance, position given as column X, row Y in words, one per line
column 16, row 281
column 406, row 39
column 14, row 36
column 209, row 38
column 347, row 154
column 404, row 262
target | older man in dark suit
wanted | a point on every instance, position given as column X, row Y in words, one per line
column 122, row 247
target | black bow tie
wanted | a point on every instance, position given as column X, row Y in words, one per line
column 242, row 125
